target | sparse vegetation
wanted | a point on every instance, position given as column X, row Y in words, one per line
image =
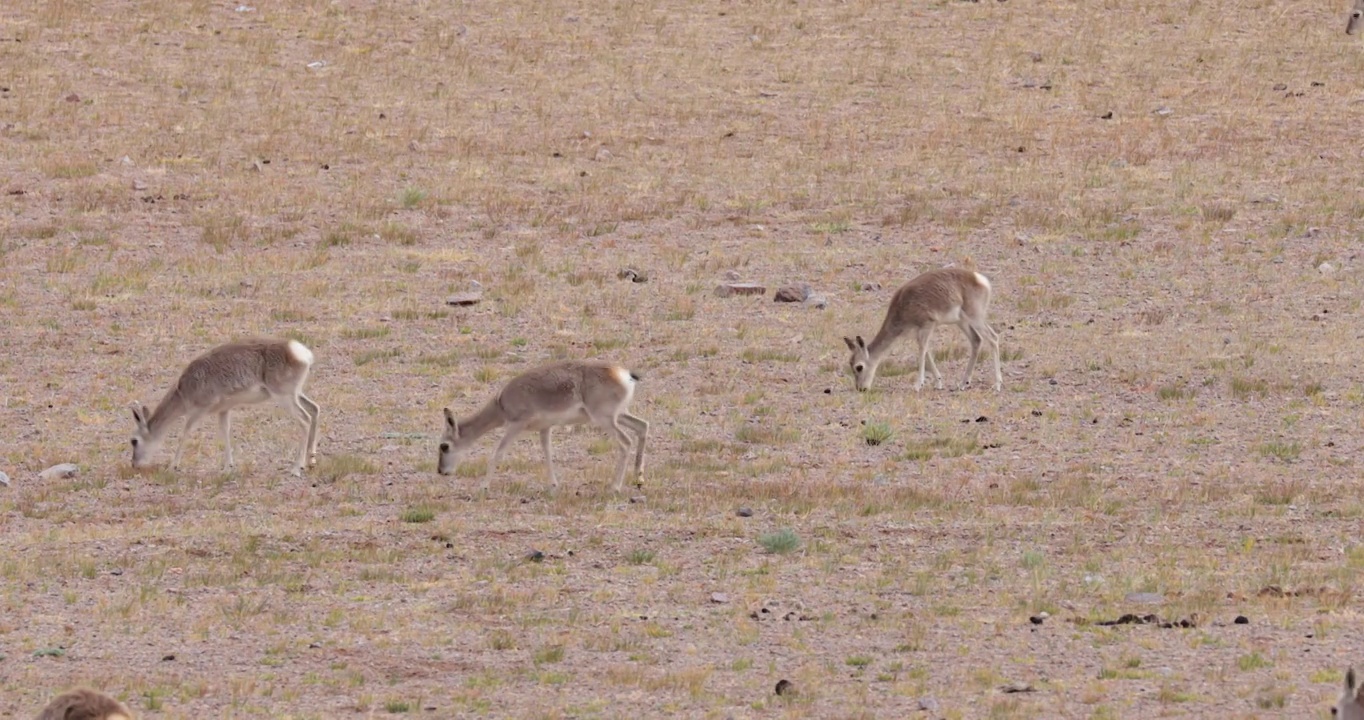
column 780, row 542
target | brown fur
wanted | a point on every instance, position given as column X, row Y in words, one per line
column 84, row 704
column 569, row 392
column 950, row 295
column 238, row 373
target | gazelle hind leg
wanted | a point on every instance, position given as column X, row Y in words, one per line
column 992, row 337
column 640, row 427
column 973, row 338
column 313, row 411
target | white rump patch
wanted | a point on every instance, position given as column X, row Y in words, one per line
column 300, row 352
column 984, row 281
column 623, row 376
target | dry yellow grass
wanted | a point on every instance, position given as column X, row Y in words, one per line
column 1151, row 189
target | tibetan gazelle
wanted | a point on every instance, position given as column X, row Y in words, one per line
column 84, row 704
column 245, row 372
column 949, row 295
column 570, row 392
column 1356, row 20
column 1350, row 706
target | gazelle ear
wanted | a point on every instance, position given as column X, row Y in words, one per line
column 137, row 414
column 450, row 422
column 861, row 343
column 848, row 341
column 1350, row 680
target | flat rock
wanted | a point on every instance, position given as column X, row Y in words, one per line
column 725, row 290
column 62, row 471
column 465, row 298
column 791, row 293
column 719, row 598
column 929, row 704
column 817, row 301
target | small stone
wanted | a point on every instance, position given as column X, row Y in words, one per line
column 1326, row 268
column 116, row 572
column 791, row 293
column 929, row 704
column 1241, row 620
column 731, row 275
column 4, row 479
column 1144, row 598
column 465, row 298
column 1038, row 619
column 62, row 471
column 817, row 301
column 73, row 98
column 744, row 512
column 982, row 419
column 633, row 275
column 139, row 185
column 869, row 286
column 725, row 290
column 786, row 687
column 535, row 556
column 1163, row 111
column 1017, row 687
column 719, row 598
column 637, row 499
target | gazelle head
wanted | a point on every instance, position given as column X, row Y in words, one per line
column 1350, row 706
column 861, row 365
column 144, row 443
column 1356, row 18
column 451, row 449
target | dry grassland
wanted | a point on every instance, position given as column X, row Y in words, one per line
column 1151, row 186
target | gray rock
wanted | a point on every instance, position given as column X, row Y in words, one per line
column 791, row 294
column 929, row 704
column 633, row 275
column 465, row 298
column 817, row 301
column 719, row 598
column 1326, row 268
column 725, row 290
column 4, row 479
column 62, row 472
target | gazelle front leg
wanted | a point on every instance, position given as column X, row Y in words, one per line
column 191, row 422
column 512, row 432
column 549, row 456
column 225, row 434
column 926, row 360
column 313, row 411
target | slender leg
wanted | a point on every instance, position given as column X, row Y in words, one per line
column 992, row 337
column 623, row 443
column 512, row 432
column 225, row 433
column 924, row 356
column 313, row 411
column 295, row 408
column 640, row 428
column 191, row 422
column 933, row 366
column 549, row 456
column 972, row 337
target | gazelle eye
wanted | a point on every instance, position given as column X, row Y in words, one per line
column 134, row 442
column 445, row 447
column 858, row 368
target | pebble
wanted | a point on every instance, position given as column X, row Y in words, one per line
column 62, row 471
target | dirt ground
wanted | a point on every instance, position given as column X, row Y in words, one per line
column 1167, row 199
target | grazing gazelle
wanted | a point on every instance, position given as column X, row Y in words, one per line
column 949, row 295
column 1356, row 16
column 569, row 392
column 239, row 373
column 1350, row 706
column 84, row 704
